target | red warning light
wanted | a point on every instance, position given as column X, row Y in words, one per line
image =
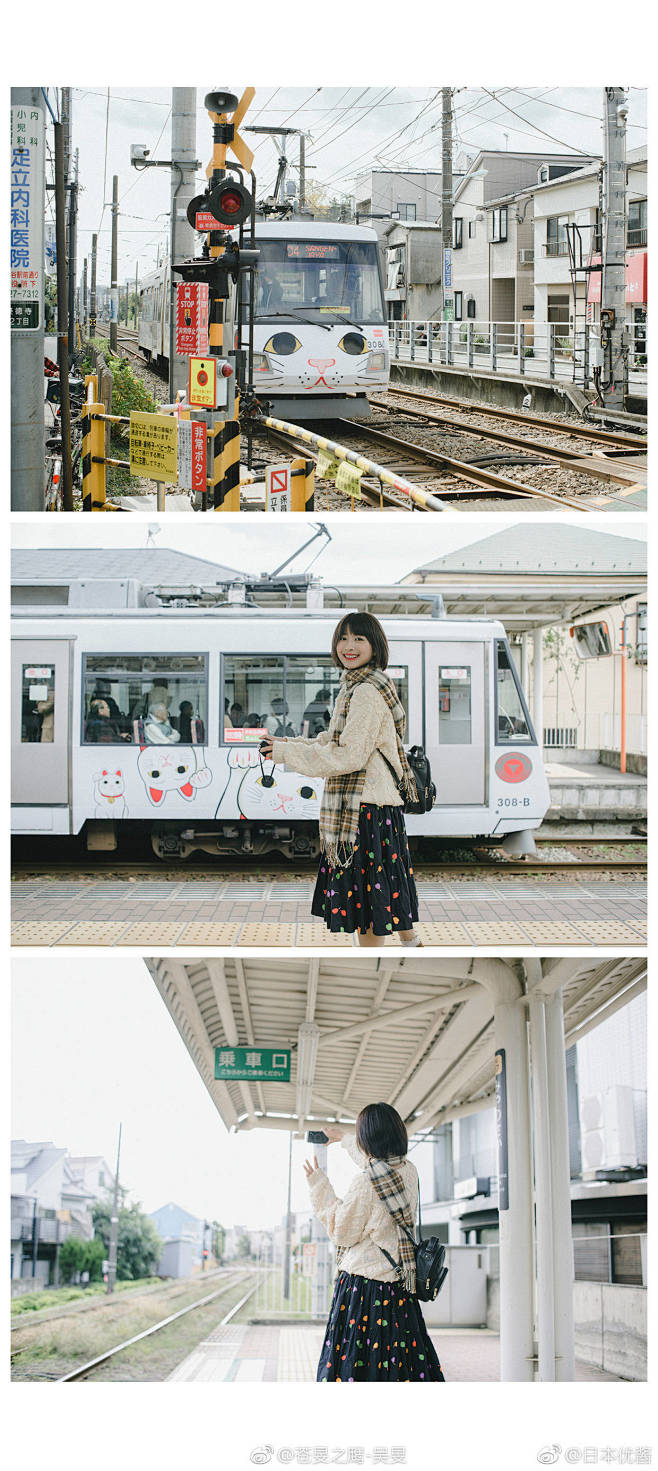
column 230, row 202
column 226, row 370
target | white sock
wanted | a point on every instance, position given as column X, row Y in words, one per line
column 410, row 943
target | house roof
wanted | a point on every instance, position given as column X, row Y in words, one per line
column 150, row 565
column 539, row 158
column 546, row 548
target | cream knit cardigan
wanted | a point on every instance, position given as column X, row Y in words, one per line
column 361, row 1221
column 369, row 729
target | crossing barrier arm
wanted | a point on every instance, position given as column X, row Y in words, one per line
column 339, row 451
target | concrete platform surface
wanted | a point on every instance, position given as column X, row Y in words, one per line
column 493, row 910
column 290, row 1353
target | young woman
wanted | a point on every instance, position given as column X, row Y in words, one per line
column 376, row 1329
column 365, row 881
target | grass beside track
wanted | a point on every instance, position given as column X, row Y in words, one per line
column 54, row 1348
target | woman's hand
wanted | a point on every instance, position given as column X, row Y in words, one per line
column 333, row 1133
column 265, row 748
column 309, row 1169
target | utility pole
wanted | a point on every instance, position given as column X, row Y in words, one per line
column 85, row 299
column 302, row 172
column 114, row 283
column 92, row 301
column 446, row 205
column 613, row 285
column 73, row 249
column 137, row 294
column 63, row 315
column 287, row 1250
column 114, row 1225
column 182, row 236
column 27, row 196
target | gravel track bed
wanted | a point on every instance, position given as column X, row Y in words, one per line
column 509, row 426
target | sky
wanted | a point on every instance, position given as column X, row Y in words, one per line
column 347, row 128
column 93, row 1046
column 373, row 551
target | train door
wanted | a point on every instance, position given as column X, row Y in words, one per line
column 40, row 718
column 406, row 670
column 455, row 714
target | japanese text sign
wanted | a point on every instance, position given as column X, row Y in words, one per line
column 154, row 446
column 192, row 319
column 278, row 488
column 348, row 480
column 243, row 1063
column 26, row 218
column 203, row 383
column 192, row 449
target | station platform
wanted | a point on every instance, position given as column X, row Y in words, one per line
column 588, row 791
column 540, row 910
column 289, row 1353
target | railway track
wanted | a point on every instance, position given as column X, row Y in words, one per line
column 86, row 1371
column 602, row 437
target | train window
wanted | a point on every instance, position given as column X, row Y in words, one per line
column 455, row 705
column 513, row 723
column 38, row 703
column 335, row 279
column 284, row 695
column 144, row 699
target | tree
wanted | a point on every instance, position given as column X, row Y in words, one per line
column 77, row 1255
column 243, row 1245
column 138, row 1247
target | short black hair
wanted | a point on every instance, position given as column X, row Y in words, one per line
column 365, row 626
column 380, row 1132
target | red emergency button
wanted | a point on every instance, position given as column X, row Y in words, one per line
column 513, row 767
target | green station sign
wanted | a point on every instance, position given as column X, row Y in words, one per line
column 252, row 1064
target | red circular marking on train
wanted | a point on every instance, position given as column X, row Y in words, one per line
column 513, row 767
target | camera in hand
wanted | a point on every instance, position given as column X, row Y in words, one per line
column 316, row 1136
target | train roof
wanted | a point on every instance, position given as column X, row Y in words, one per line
column 298, row 229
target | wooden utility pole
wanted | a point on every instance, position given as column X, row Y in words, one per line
column 63, row 315
column 92, row 301
column 613, row 284
column 446, row 205
column 114, row 283
column 73, row 249
column 114, row 1225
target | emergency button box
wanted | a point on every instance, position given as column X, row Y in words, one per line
column 209, row 387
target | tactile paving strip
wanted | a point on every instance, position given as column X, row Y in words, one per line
column 151, row 934
column 100, row 933
column 44, row 932
column 267, row 934
column 209, row 934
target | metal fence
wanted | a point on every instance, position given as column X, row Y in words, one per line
column 529, row 349
column 600, row 1255
column 302, row 1293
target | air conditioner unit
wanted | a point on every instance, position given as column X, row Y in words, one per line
column 608, row 1130
column 526, row 257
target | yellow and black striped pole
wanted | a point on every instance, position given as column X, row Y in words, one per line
column 303, row 485
column 93, row 448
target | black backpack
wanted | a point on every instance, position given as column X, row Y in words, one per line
column 422, row 775
column 431, row 1271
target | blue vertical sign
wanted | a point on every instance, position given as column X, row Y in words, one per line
column 501, row 1130
column 447, row 269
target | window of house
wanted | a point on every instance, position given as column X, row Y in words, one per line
column 499, row 223
column 512, row 719
column 470, row 307
column 637, row 222
column 38, row 703
column 406, row 211
column 556, row 235
column 471, row 229
column 459, row 305
column 557, row 309
column 457, row 233
column 283, row 695
column 144, row 699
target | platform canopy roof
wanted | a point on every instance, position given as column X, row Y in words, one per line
column 415, row 1032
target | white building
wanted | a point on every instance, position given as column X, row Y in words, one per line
column 493, row 238
column 52, row 1196
column 412, row 272
column 573, row 200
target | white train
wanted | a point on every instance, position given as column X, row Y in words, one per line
column 154, row 716
column 320, row 333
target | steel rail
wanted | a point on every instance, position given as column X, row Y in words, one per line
column 372, row 496
column 138, row 870
column 599, row 436
column 88, row 1368
column 475, row 474
column 567, row 457
column 340, row 452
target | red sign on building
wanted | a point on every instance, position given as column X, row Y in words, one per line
column 636, row 279
column 191, row 319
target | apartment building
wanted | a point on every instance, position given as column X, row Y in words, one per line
column 52, row 1195
column 493, row 237
column 412, row 271
column 573, row 200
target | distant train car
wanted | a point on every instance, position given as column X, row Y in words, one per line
column 320, row 332
column 154, row 715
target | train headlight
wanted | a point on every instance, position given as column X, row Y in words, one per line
column 376, row 362
column 261, row 363
column 283, row 344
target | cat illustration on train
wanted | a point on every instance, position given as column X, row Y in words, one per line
column 266, row 791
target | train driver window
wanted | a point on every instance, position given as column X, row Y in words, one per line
column 454, row 705
column 38, row 704
column 144, row 699
column 512, row 719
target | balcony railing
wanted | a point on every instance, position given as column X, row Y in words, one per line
column 636, row 237
column 555, row 247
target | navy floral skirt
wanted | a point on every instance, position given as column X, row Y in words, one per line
column 377, row 890
column 376, row 1331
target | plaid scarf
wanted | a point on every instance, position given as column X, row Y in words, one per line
column 341, row 799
